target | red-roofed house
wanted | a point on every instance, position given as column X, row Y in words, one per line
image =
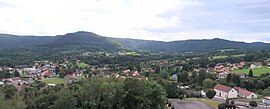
column 136, row 73
column 116, row 75
column 224, row 92
column 245, row 93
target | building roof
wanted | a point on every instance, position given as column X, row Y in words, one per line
column 222, row 88
column 268, row 97
column 243, row 91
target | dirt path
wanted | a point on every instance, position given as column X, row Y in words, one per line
column 190, row 105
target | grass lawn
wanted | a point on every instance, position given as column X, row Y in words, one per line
column 224, row 50
column 256, row 71
column 45, row 61
column 248, row 100
column 213, row 103
column 220, row 57
column 54, row 80
column 82, row 65
column 132, row 53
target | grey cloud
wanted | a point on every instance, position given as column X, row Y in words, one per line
column 244, row 16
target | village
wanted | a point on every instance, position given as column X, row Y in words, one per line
column 39, row 72
column 44, row 71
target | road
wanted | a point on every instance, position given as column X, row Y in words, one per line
column 189, row 104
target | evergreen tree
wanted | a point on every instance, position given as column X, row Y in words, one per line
column 57, row 69
column 236, row 79
column 201, row 76
column 229, row 77
column 16, row 73
column 250, row 74
column 157, row 69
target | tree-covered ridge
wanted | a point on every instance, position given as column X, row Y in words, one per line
column 93, row 42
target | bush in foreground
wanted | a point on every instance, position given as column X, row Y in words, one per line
column 253, row 103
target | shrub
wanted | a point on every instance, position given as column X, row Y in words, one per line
column 169, row 105
column 210, row 93
column 253, row 103
column 232, row 101
column 181, row 97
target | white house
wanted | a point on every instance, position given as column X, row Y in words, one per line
column 244, row 93
column 2, row 83
column 224, row 92
column 256, row 65
column 222, row 75
column 203, row 92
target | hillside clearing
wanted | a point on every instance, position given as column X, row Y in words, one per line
column 82, row 65
column 54, row 80
column 224, row 56
column 256, row 71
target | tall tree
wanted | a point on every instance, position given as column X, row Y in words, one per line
column 65, row 100
column 207, row 83
column 157, row 69
column 15, row 102
column 16, row 73
column 57, row 69
column 250, row 74
column 182, row 76
column 236, row 79
column 202, row 76
column 229, row 77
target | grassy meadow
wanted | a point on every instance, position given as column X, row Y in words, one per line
column 256, row 71
column 54, row 80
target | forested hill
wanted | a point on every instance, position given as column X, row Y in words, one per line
column 192, row 45
column 93, row 42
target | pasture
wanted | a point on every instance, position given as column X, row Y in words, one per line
column 256, row 71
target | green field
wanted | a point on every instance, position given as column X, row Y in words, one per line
column 82, row 65
column 220, row 57
column 224, row 50
column 54, row 80
column 45, row 61
column 256, row 71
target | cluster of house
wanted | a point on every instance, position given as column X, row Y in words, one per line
column 28, row 74
column 126, row 73
column 222, row 69
column 225, row 92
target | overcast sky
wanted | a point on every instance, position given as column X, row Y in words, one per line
column 166, row 20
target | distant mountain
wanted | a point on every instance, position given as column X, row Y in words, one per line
column 77, row 40
column 191, row 45
column 93, row 42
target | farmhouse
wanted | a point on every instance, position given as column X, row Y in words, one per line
column 222, row 75
column 256, row 65
column 244, row 93
column 2, row 83
column 224, row 92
